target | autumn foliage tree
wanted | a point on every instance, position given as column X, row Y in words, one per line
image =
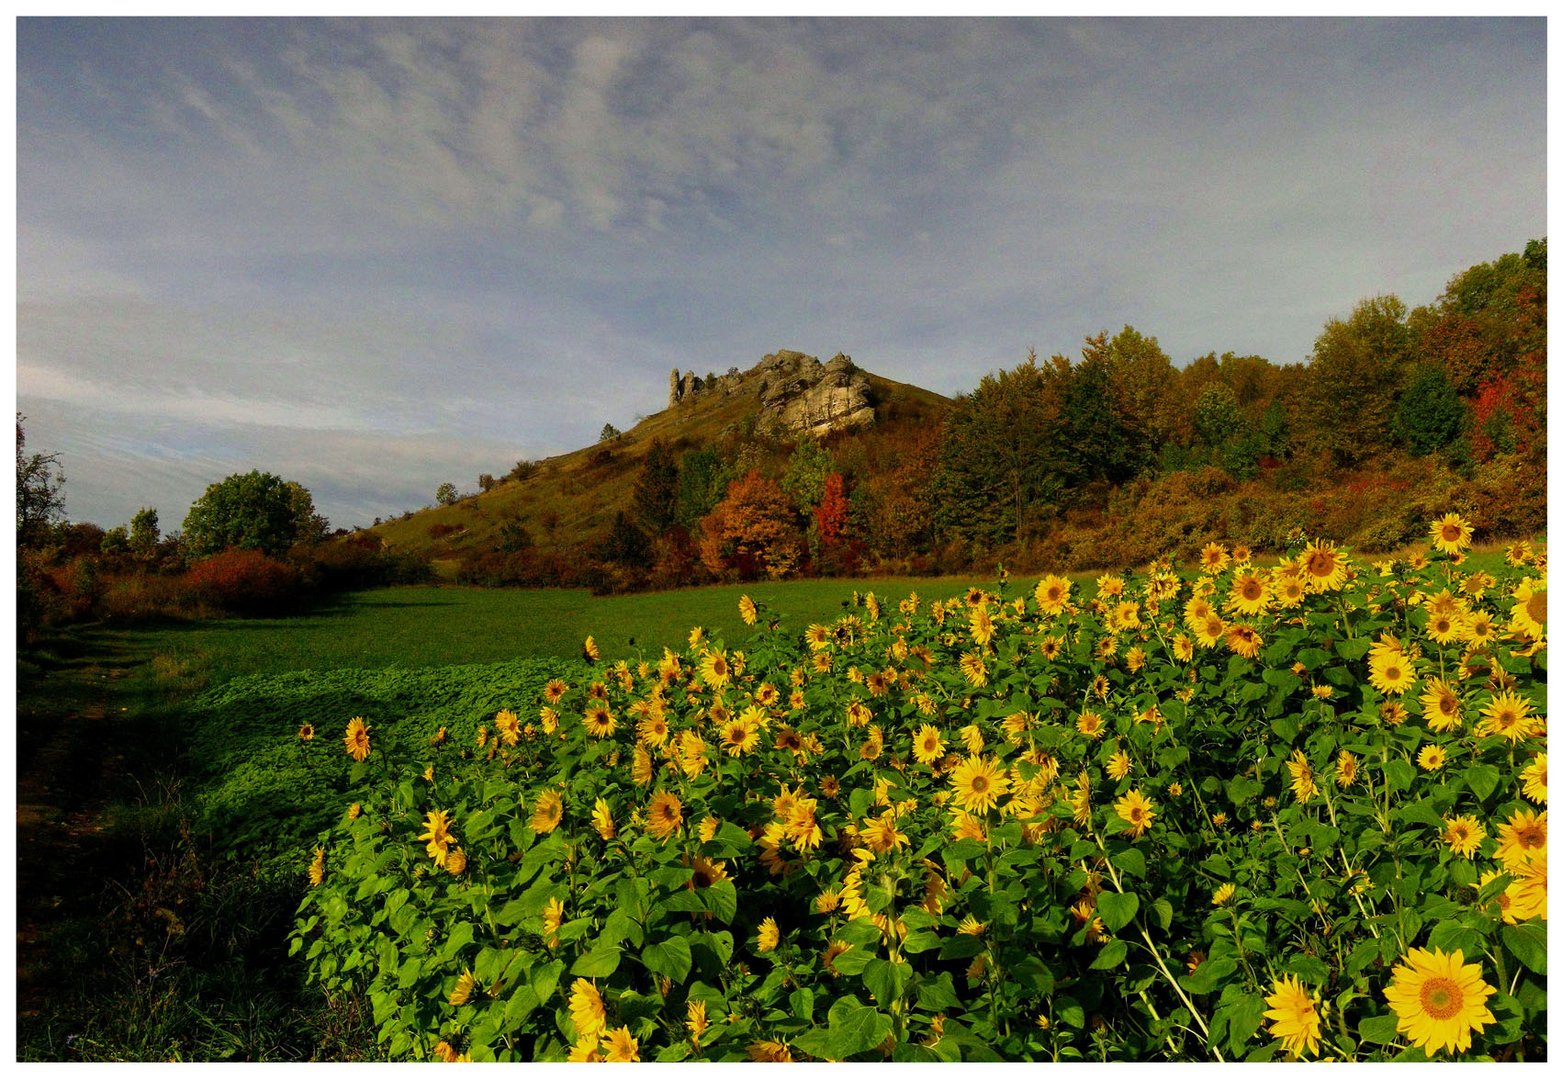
column 752, row 532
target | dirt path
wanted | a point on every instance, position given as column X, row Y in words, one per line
column 72, row 766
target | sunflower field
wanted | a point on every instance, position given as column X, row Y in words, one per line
column 1251, row 813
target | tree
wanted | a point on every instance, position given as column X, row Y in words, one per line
column 144, row 532
column 624, row 544
column 703, row 477
column 256, row 511
column 805, row 473
column 486, row 482
column 1354, row 376
column 116, row 541
column 656, row 488
column 609, row 433
column 40, row 485
column 1430, row 414
column 752, row 531
column 446, row 494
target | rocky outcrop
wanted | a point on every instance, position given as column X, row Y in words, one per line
column 797, row 394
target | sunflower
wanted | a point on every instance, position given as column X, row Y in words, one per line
column 586, row 1009
column 599, row 719
column 1391, row 713
column 548, row 812
column 1521, row 839
column 664, row 815
column 621, row 1045
column 552, row 919
column 1346, row 768
column 1210, row 630
column 507, row 725
column 1303, row 784
column 1052, row 593
column 696, row 1022
column 1534, row 777
column 1443, row 627
column 1390, row 672
column 1463, row 834
column 1213, row 558
column 653, row 729
column 978, row 784
column 974, row 668
column 357, row 738
column 981, row 626
column 1223, row 895
column 466, row 985
column 1431, row 758
column 1089, row 724
column 554, row 691
column 1119, row 765
column 1243, row 640
column 589, row 649
column 1249, row 594
column 317, row 868
column 715, row 671
column 769, row 934
column 306, row 731
column 1440, row 706
column 1451, row 534
column 1507, row 715
column 1136, row 810
column 747, row 610
column 1439, row 999
column 602, row 820
column 1295, row 1016
column 437, row 833
column 1182, row 648
column 927, row 746
column 1323, row 566
column 1476, row 629
column 1289, row 591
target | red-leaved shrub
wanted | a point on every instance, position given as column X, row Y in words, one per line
column 242, row 581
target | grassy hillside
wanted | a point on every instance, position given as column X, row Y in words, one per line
column 570, row 500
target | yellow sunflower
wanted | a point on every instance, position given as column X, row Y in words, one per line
column 978, row 784
column 974, row 668
column 1534, row 777
column 747, row 610
column 769, row 934
column 1346, row 768
column 1303, row 784
column 1136, row 811
column 317, row 868
column 548, row 812
column 1210, row 630
column 715, row 671
column 1451, row 534
column 1222, row 895
column 1463, row 835
column 1089, row 724
column 927, row 746
column 1243, row 640
column 1052, row 593
column 437, row 833
column 466, row 984
column 589, row 649
column 1439, row 999
column 357, row 738
column 306, row 731
column 1119, row 765
column 1295, row 1016
column 1508, row 715
column 1432, row 757
column 1440, row 706
column 602, row 820
column 621, row 1045
column 1249, row 594
column 664, row 815
column 1521, row 839
column 599, row 720
column 1323, row 566
column 1213, row 558
column 586, row 1009
column 1390, row 672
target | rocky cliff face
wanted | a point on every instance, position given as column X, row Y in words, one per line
column 797, row 394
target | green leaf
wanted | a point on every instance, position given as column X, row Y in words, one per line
column 1210, row 974
column 921, row 941
column 723, row 900
column 1130, row 861
column 1353, row 648
column 599, row 963
column 1382, row 1030
column 885, row 979
column 853, row 1028
column 1482, row 780
column 1117, row 909
column 853, row 961
column 1527, row 941
column 671, row 958
column 1401, row 774
column 935, row 995
column 1112, row 954
column 1163, row 913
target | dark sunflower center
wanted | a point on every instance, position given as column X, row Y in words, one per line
column 1320, row 564
column 1530, row 836
column 1535, row 606
column 978, row 784
column 1441, row 997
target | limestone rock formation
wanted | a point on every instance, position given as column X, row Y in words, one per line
column 797, row 394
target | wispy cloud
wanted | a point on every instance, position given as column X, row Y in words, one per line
column 475, row 237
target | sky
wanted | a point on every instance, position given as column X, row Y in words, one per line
column 374, row 255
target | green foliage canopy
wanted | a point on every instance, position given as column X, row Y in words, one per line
column 254, row 510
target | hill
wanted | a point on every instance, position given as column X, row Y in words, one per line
column 564, row 506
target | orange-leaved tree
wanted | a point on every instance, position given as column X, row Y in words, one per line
column 752, row 531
